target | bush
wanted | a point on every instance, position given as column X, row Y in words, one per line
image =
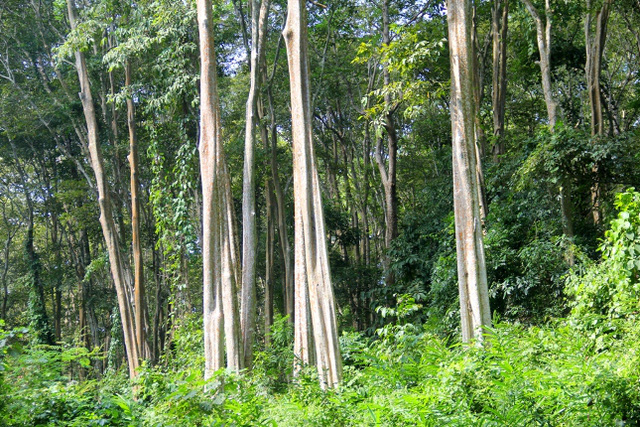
column 606, row 294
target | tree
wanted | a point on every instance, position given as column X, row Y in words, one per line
column 499, row 29
column 120, row 273
column 472, row 276
column 219, row 259
column 543, row 35
column 314, row 291
column 259, row 17
column 594, row 48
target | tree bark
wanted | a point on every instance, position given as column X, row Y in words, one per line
column 259, row 17
column 218, row 239
column 594, row 49
column 312, row 261
column 500, row 22
column 390, row 175
column 543, row 31
column 138, row 276
column 472, row 277
column 120, row 274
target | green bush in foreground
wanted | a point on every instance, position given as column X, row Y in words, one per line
column 582, row 371
column 552, row 375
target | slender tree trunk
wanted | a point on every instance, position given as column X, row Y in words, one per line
column 138, row 276
column 594, row 48
column 259, row 15
column 472, row 277
column 283, row 231
column 543, row 31
column 311, row 247
column 390, row 175
column 120, row 274
column 5, row 270
column 218, row 257
column 269, row 258
column 500, row 22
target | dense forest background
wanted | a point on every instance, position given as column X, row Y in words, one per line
column 556, row 97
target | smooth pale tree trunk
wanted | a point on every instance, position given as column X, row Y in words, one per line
column 259, row 15
column 594, row 49
column 219, row 260
column 543, row 35
column 472, row 276
column 312, row 261
column 500, row 22
column 119, row 272
column 138, row 273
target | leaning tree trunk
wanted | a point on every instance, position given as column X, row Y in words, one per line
column 120, row 274
column 472, row 275
column 219, row 276
column 312, row 261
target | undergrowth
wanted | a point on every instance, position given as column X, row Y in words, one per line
column 553, row 375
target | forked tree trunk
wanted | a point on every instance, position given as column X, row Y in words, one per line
column 311, row 255
column 219, row 276
column 472, row 276
column 249, row 232
column 120, row 274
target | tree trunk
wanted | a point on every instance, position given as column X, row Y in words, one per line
column 390, row 175
column 259, row 17
column 138, row 276
column 283, row 231
column 311, row 259
column 594, row 49
column 543, row 31
column 218, row 257
column 472, row 277
column 121, row 275
column 500, row 21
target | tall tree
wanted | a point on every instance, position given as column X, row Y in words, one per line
column 472, row 276
column 499, row 29
column 138, row 276
column 120, row 273
column 219, row 260
column 388, row 173
column 543, row 35
column 595, row 42
column 259, row 14
column 313, row 278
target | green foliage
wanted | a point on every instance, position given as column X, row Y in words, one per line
column 273, row 367
column 606, row 293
